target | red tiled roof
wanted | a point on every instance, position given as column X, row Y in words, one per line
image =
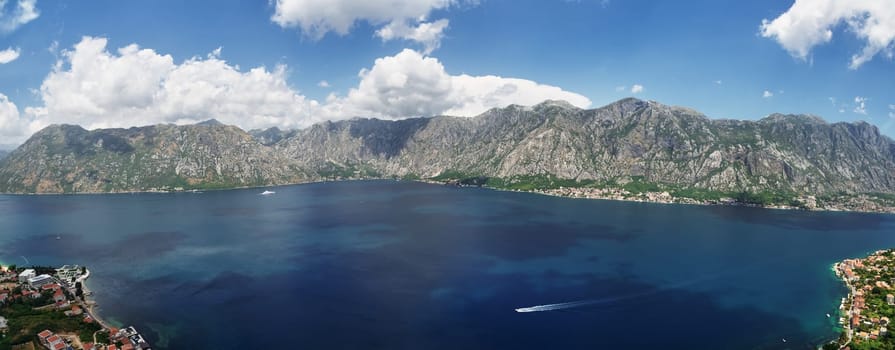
column 127, row 347
column 45, row 334
column 112, row 347
column 59, row 346
column 53, row 339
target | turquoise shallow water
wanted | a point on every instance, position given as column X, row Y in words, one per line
column 398, row 265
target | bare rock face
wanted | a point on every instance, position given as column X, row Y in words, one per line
column 69, row 159
column 629, row 139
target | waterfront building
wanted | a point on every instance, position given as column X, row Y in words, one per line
column 27, row 274
column 68, row 273
column 40, row 281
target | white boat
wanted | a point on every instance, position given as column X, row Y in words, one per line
column 267, row 193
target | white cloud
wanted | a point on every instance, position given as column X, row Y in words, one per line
column 621, row 88
column 429, row 34
column 860, row 105
column 9, row 55
column 809, row 23
column 767, row 94
column 11, row 125
column 636, row 89
column 95, row 88
column 411, row 84
column 98, row 88
column 403, row 19
column 22, row 12
column 323, row 84
column 891, row 111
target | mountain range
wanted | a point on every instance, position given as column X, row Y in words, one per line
column 629, row 142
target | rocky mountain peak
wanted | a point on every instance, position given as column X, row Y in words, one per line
column 556, row 104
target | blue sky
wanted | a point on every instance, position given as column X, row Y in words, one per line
column 714, row 56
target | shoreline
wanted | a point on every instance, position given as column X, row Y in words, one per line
column 90, row 303
column 845, row 311
column 861, row 315
column 683, row 201
column 646, row 197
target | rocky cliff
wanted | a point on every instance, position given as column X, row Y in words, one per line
column 67, row 158
column 627, row 141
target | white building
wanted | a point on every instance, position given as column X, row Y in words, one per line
column 3, row 324
column 26, row 275
column 40, row 281
column 68, row 273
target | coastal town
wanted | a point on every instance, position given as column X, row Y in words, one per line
column 857, row 203
column 640, row 191
column 49, row 308
column 868, row 310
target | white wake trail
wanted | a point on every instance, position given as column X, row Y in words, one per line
column 559, row 306
column 573, row 304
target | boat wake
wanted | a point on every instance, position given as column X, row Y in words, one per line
column 559, row 306
column 651, row 292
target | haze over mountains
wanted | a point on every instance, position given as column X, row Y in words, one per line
column 629, row 140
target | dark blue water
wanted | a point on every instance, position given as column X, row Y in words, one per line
column 413, row 266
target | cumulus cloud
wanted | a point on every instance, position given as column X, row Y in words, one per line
column 860, row 105
column 809, row 23
column 402, row 19
column 11, row 125
column 429, row 34
column 323, row 84
column 636, row 89
column 22, row 12
column 9, row 55
column 410, row 84
column 767, row 94
column 96, row 87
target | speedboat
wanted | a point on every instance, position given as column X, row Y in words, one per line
column 267, row 193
